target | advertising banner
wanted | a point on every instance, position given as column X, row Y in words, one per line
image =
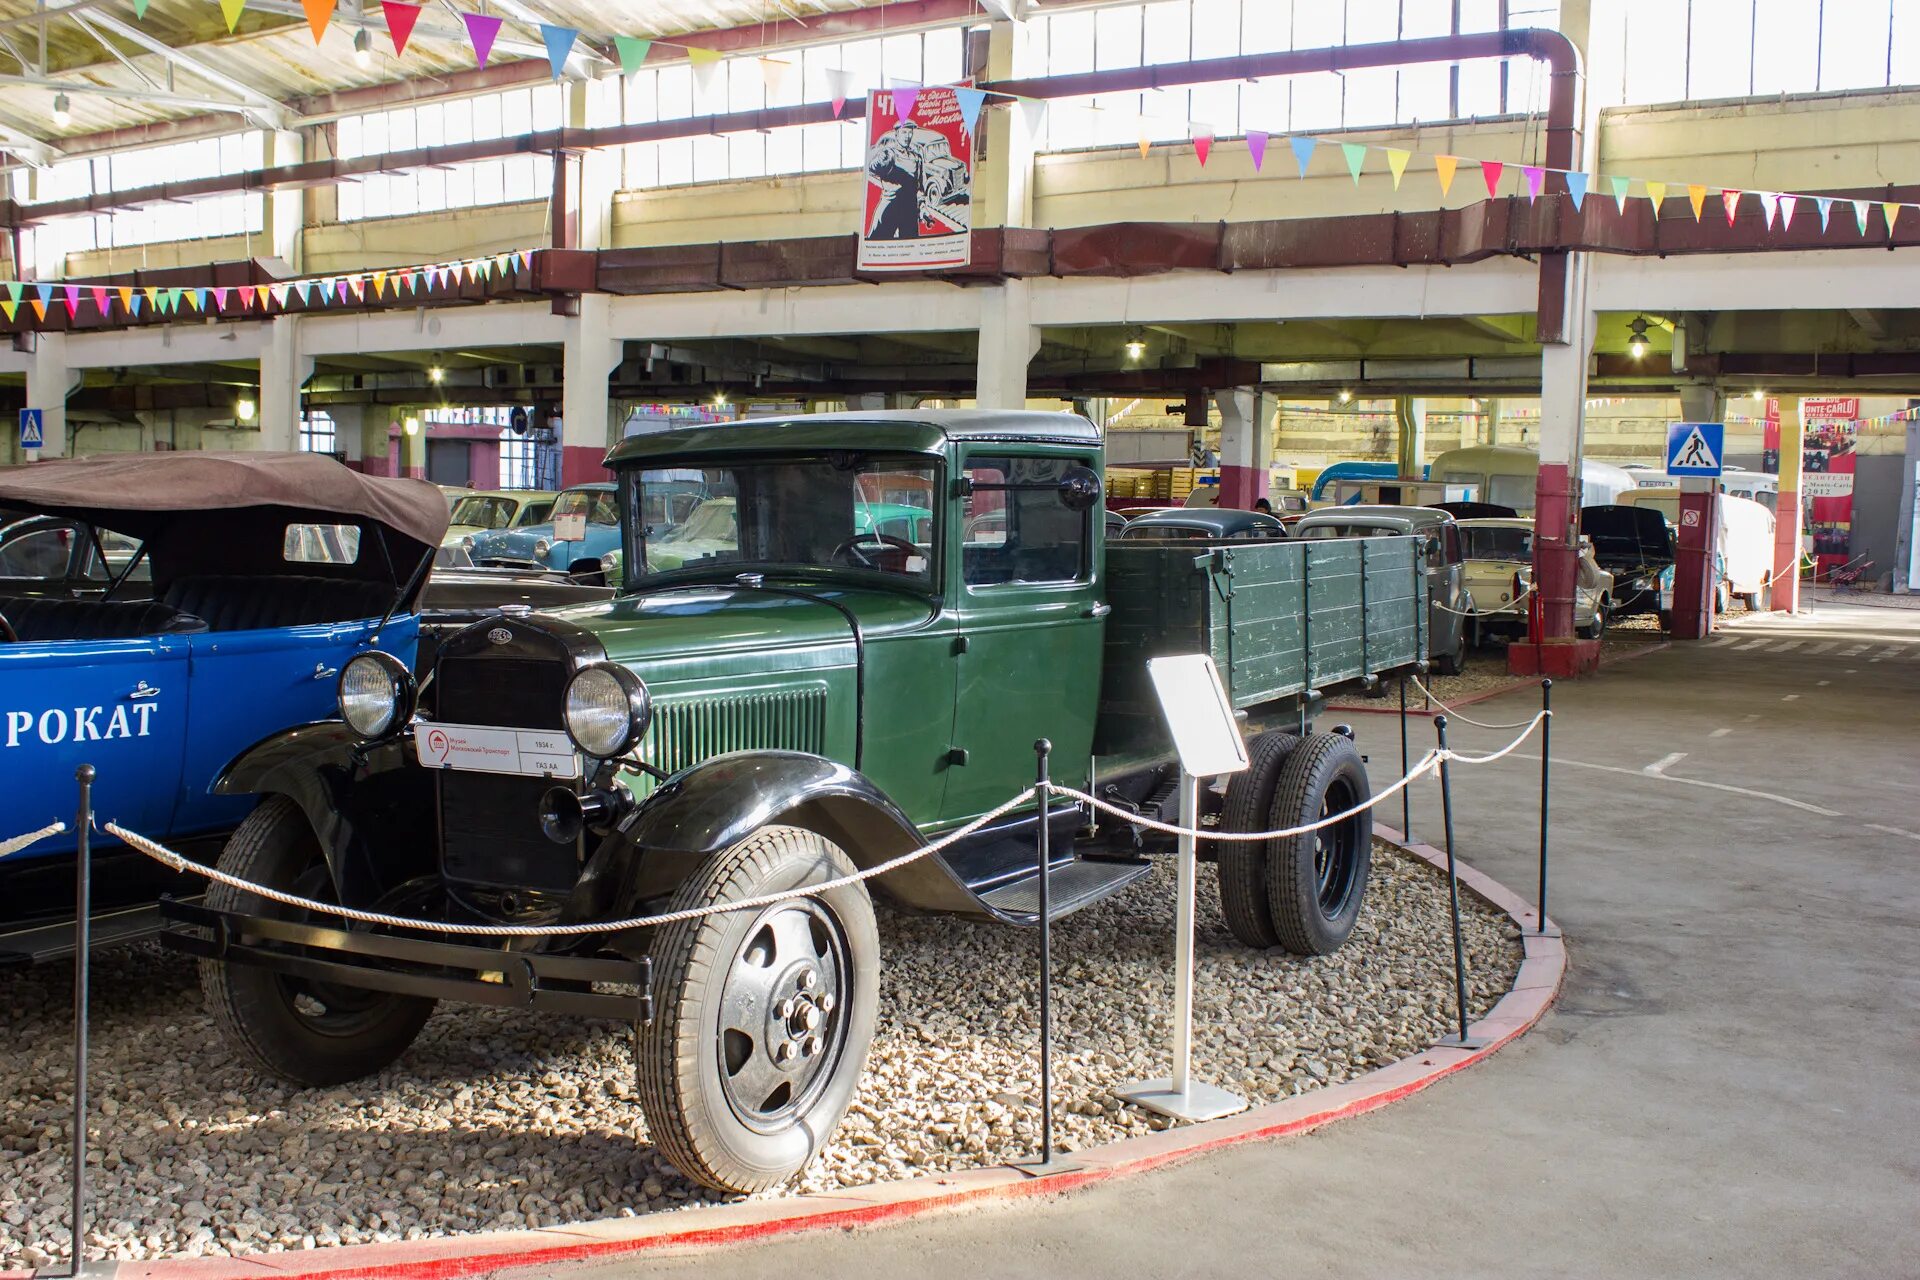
column 917, row 214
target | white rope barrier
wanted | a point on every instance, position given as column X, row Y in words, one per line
column 180, row 862
column 1510, row 606
column 20, row 842
column 1464, row 718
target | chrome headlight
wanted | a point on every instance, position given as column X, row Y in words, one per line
column 375, row 693
column 466, row 544
column 607, row 710
column 540, row 547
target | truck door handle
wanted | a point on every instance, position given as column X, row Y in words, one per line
column 321, row 671
column 1100, row 610
column 143, row 690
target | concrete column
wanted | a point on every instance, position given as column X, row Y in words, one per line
column 1694, row 570
column 376, row 440
column 1786, row 516
column 586, row 418
column 590, row 105
column 349, row 423
column 1410, row 434
column 1003, row 168
column 1563, row 403
column 1008, row 343
column 1906, row 556
column 1246, row 445
column 49, row 383
column 413, row 445
column 1492, row 410
column 285, row 208
column 283, row 372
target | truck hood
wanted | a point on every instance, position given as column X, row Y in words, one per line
column 1627, row 537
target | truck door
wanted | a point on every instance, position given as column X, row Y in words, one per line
column 1029, row 625
column 118, row 705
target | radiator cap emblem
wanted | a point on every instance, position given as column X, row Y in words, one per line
column 500, row 635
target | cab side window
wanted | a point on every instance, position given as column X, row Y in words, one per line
column 1016, row 527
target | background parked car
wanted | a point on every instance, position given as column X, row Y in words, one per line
column 1499, row 572
column 43, row 555
column 1211, row 524
column 584, row 525
column 1449, row 603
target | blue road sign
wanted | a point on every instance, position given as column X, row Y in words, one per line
column 1694, row 448
column 33, row 433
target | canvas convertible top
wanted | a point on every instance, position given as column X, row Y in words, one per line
column 210, row 512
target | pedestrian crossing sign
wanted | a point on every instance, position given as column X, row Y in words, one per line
column 1694, row 448
column 33, row 431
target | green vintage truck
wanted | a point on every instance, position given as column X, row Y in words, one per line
column 811, row 696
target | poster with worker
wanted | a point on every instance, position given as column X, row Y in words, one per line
column 918, row 211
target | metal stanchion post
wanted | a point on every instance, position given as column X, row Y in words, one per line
column 1043, row 854
column 1546, row 761
column 1459, row 1040
column 82, row 955
column 1406, row 793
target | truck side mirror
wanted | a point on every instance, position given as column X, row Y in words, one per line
column 1079, row 489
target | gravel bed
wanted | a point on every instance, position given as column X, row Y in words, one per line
column 500, row 1119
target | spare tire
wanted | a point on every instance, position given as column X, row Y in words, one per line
column 1242, row 864
column 1317, row 880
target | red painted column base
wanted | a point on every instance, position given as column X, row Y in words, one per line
column 582, row 464
column 1693, row 569
column 1555, row 562
column 1561, row 661
column 1786, row 554
column 1241, row 487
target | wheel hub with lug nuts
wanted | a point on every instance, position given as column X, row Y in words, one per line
column 778, row 1029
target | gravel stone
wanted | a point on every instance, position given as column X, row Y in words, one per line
column 505, row 1119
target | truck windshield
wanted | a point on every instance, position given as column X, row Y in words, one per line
column 846, row 511
column 1498, row 543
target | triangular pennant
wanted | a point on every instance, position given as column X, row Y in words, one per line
column 220, row 293
column 1577, row 189
column 904, row 99
column 1656, row 192
column 102, row 299
column 380, row 283
column 839, row 85
column 1536, row 178
column 482, row 29
column 1860, row 214
column 1202, row 145
column 1256, row 147
column 1443, row 167
column 705, row 62
column 45, row 292
column 1146, row 145
column 40, row 309
column 13, row 290
column 1491, row 171
column 200, row 300
column 1356, row 154
column 1620, row 186
column 173, row 299
column 246, row 297
column 500, row 263
column 416, row 279
column 9, row 308
column 319, row 14
column 134, row 304
column 302, row 287
column 1697, row 197
column 632, row 51
column 1397, row 164
column 970, row 100
column 1303, row 151
column 400, row 20
column 278, row 292
column 1825, row 205
column 1787, row 206
column 1892, row 211
column 140, row 9
column 340, row 289
column 1731, row 199
column 773, row 75
column 232, row 8
column 72, row 293
column 485, row 268
column 1769, row 205
column 559, row 42
column 153, row 297
column 357, row 286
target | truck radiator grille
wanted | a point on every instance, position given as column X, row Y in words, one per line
column 685, row 733
column 513, row 693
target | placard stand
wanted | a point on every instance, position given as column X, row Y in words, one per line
column 1208, row 742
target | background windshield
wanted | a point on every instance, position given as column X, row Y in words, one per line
column 597, row 505
column 487, row 513
column 852, row 511
column 1498, row 543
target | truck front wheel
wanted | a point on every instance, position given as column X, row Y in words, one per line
column 1316, row 880
column 1242, row 864
column 310, row 1032
column 763, row 1015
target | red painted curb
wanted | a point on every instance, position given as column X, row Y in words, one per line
column 1535, row 988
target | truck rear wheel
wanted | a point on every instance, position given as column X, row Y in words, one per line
column 313, row 1033
column 1317, row 880
column 763, row 1015
column 1242, row 864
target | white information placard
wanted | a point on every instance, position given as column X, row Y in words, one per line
column 536, row 753
column 1198, row 715
column 571, row 528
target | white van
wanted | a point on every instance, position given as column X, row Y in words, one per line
column 1508, row 475
column 1743, row 547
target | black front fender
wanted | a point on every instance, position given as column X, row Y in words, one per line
column 370, row 804
column 720, row 802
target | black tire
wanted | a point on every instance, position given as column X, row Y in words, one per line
column 712, row 1091
column 310, row 1033
column 1452, row 664
column 1242, row 864
column 1598, row 628
column 1317, row 881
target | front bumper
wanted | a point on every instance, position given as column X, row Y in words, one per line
column 412, row 966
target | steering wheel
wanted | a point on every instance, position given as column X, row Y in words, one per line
column 851, row 548
column 7, row 633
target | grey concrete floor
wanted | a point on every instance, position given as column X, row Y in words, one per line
column 1729, row 1086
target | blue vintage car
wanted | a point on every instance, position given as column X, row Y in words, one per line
column 585, row 526
column 254, row 578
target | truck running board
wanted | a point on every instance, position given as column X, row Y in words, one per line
column 1072, row 885
column 53, row 940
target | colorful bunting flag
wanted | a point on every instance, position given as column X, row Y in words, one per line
column 8, row 307
column 1577, row 189
column 357, row 286
column 1491, row 171
column 705, row 63
column 140, row 9
column 45, row 291
column 40, row 310
column 380, row 283
column 134, row 305
column 1202, row 144
column 1397, row 164
column 773, row 75
column 14, row 290
column 1892, row 211
column 220, row 293
column 1697, row 197
column 1860, row 215
column 278, row 292
column 1444, row 167
column 102, row 299
column 319, row 14
column 632, row 51
column 126, row 299
column 970, row 101
column 153, row 297
column 1787, row 205
column 246, row 297
column 1303, row 151
column 1146, row 145
column 1656, row 192
column 1536, row 178
column 905, row 97
column 400, row 20
column 200, row 301
column 304, row 288
column 1825, row 205
column 839, row 86
column 1620, row 186
column 1356, row 154
column 72, row 293
column 1731, row 199
column 232, row 8
column 1257, row 147
column 559, row 42
column 173, row 299
column 482, row 29
column 1769, row 206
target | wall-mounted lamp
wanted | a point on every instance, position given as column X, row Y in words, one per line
column 413, row 426
column 243, row 409
column 1346, row 396
column 1637, row 338
column 62, row 111
column 362, row 49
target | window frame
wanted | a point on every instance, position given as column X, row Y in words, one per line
column 1085, row 573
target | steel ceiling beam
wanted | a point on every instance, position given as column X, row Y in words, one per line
column 125, row 94
column 264, row 110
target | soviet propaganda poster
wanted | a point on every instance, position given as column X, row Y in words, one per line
column 917, row 213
